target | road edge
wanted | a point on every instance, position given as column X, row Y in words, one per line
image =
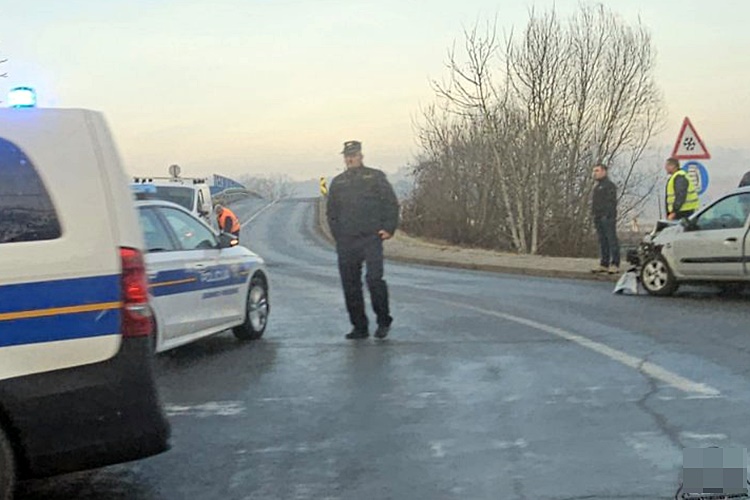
column 324, row 231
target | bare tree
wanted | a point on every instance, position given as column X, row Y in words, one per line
column 271, row 187
column 510, row 145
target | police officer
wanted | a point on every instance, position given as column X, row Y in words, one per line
column 228, row 222
column 681, row 196
column 363, row 211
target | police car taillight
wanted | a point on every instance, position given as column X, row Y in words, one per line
column 136, row 313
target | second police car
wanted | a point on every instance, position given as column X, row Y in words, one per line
column 201, row 282
column 193, row 194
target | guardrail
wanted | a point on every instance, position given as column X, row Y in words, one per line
column 231, row 195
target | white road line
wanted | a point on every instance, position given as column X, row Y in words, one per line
column 704, row 437
column 437, row 449
column 258, row 213
column 651, row 369
column 210, row 409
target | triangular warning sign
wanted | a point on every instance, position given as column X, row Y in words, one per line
column 689, row 145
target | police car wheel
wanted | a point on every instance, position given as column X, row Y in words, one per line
column 256, row 312
column 7, row 468
column 657, row 278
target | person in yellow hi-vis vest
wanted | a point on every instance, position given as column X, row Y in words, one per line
column 681, row 195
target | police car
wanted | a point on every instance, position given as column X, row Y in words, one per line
column 201, row 282
column 76, row 385
column 712, row 246
column 193, row 194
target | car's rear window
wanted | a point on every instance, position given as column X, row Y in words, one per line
column 26, row 210
column 182, row 196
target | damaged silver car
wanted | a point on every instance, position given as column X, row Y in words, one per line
column 712, row 246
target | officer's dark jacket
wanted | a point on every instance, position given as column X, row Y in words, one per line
column 604, row 199
column 361, row 202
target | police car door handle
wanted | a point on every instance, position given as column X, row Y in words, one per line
column 730, row 240
column 197, row 266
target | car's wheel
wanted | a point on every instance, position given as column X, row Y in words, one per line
column 256, row 312
column 657, row 278
column 7, row 468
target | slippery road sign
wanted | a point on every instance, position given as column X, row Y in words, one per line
column 689, row 145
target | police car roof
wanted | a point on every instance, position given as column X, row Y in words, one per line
column 191, row 182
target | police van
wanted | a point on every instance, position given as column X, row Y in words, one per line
column 193, row 194
column 76, row 384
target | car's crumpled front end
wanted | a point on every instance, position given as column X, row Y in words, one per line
column 652, row 242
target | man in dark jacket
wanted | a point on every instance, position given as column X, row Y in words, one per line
column 363, row 211
column 604, row 211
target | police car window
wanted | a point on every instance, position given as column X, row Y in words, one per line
column 729, row 213
column 26, row 210
column 191, row 234
column 156, row 235
column 182, row 196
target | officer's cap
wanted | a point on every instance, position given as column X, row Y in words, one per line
column 352, row 148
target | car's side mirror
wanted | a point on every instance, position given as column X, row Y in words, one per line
column 227, row 240
column 689, row 224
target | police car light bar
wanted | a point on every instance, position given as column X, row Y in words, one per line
column 22, row 97
column 144, row 188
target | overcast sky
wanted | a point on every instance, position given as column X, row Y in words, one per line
column 266, row 86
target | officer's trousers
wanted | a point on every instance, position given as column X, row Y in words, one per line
column 352, row 253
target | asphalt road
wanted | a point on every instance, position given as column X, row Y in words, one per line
column 490, row 387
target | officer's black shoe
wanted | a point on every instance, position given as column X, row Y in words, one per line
column 357, row 334
column 382, row 332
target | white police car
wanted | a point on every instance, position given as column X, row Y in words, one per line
column 201, row 282
column 76, row 385
column 191, row 193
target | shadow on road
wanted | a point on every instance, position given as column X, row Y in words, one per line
column 113, row 483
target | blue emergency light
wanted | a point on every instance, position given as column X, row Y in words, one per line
column 22, row 97
column 143, row 191
column 144, row 188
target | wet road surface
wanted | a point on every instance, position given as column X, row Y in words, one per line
column 490, row 387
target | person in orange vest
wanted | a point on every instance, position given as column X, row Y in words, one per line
column 228, row 222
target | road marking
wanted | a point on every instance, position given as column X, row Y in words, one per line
column 210, row 409
column 703, row 437
column 520, row 443
column 437, row 449
column 646, row 367
column 258, row 213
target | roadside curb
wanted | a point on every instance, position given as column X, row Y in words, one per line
column 322, row 229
